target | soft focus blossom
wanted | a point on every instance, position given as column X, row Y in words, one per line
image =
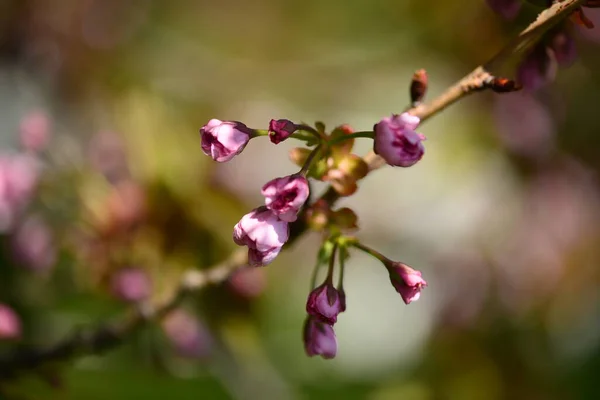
column 506, row 8
column 108, row 155
column 397, row 142
column 18, row 179
column 537, row 68
column 563, row 46
column 325, row 303
column 406, row 281
column 319, row 338
column 34, row 131
column 10, row 324
column 281, row 129
column 131, row 284
column 188, row 335
column 264, row 234
column 33, row 245
column 285, row 196
column 248, row 282
column 223, row 140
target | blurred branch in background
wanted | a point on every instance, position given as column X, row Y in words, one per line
column 107, row 336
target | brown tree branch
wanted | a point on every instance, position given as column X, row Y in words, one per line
column 96, row 340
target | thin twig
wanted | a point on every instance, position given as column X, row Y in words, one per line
column 100, row 339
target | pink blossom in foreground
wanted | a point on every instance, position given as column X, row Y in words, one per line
column 264, row 234
column 285, row 196
column 325, row 303
column 223, row 140
column 319, row 339
column 406, row 281
column 281, row 129
column 397, row 142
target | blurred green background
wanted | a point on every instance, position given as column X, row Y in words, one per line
column 501, row 215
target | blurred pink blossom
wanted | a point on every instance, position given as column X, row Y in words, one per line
column 34, row 131
column 10, row 324
column 33, row 244
column 187, row 334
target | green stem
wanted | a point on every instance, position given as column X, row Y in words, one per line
column 310, row 160
column 329, row 278
column 363, row 134
column 312, row 131
column 343, row 250
column 371, row 252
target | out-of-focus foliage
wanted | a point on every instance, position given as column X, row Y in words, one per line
column 501, row 215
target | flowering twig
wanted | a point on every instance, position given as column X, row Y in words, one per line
column 102, row 338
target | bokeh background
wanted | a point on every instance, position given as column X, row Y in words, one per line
column 106, row 197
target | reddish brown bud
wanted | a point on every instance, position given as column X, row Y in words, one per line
column 418, row 86
column 504, row 85
column 580, row 19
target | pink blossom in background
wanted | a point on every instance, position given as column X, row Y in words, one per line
column 34, row 131
column 131, row 284
column 33, row 244
column 19, row 175
column 248, row 282
column 524, row 125
column 508, row 9
column 187, row 334
column 107, row 154
column 10, row 323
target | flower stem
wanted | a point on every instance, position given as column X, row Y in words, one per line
column 310, row 160
column 362, row 134
column 371, row 252
column 312, row 131
column 329, row 278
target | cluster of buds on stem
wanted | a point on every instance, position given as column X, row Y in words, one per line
column 327, row 157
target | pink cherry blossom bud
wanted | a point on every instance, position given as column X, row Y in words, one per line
column 508, row 9
column 10, row 324
column 131, row 284
column 223, row 140
column 537, row 68
column 33, row 245
column 325, row 303
column 35, row 131
column 187, row 334
column 397, row 142
column 285, row 196
column 264, row 234
column 319, row 339
column 280, row 130
column 406, row 281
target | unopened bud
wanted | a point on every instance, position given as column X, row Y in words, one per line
column 299, row 155
column 418, row 86
column 342, row 183
column 504, row 85
column 318, row 215
column 345, row 218
column 354, row 166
